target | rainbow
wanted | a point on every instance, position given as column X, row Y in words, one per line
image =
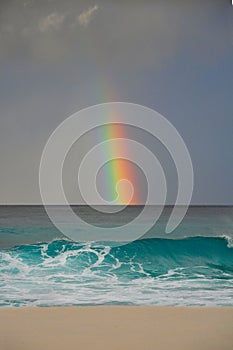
column 118, row 169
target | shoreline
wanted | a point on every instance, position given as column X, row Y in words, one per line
column 117, row 327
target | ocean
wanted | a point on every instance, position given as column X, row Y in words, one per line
column 191, row 266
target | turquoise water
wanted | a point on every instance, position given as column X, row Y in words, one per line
column 188, row 270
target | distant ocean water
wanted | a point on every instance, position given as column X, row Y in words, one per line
column 192, row 266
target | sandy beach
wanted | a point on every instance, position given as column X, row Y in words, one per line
column 117, row 327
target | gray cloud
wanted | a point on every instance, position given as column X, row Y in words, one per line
column 55, row 21
column 52, row 21
column 128, row 34
column 86, row 16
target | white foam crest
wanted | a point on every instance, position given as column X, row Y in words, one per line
column 100, row 252
column 117, row 264
column 60, row 259
column 13, row 262
column 109, row 290
column 100, row 256
column 229, row 240
column 52, row 282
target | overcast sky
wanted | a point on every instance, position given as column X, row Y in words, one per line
column 175, row 56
